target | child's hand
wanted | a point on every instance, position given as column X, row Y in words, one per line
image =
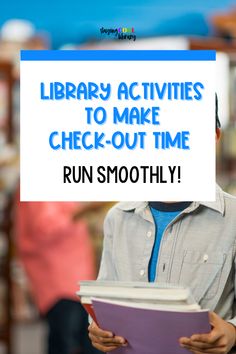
column 219, row 341
column 104, row 340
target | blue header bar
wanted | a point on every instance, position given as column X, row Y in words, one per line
column 114, row 55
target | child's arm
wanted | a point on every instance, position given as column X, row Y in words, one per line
column 107, row 268
column 219, row 341
column 104, row 340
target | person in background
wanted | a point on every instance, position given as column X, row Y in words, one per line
column 55, row 249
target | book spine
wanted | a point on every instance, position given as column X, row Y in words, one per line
column 90, row 311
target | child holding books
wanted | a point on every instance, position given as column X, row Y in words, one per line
column 186, row 243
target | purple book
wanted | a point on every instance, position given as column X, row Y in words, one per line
column 150, row 331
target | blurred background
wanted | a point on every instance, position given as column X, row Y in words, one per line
column 45, row 248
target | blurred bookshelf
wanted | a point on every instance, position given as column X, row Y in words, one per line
column 226, row 148
column 6, row 160
column 10, row 285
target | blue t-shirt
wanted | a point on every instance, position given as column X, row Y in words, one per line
column 163, row 214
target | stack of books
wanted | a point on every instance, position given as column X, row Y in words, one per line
column 150, row 316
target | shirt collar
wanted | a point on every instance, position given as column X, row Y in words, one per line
column 217, row 205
